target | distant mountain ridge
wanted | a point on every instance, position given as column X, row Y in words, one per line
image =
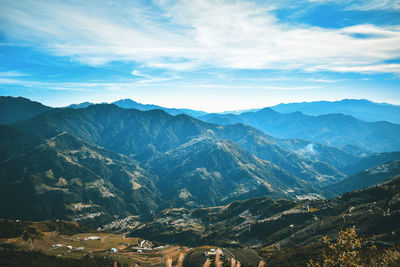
column 80, row 105
column 129, row 103
column 332, row 129
column 359, row 108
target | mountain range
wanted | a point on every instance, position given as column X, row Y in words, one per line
column 102, row 162
column 336, row 130
column 358, row 108
column 346, row 132
column 361, row 109
column 146, row 135
column 183, row 153
column 129, row 103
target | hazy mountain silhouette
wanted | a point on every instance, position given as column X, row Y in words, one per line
column 129, row 103
column 361, row 109
column 332, row 129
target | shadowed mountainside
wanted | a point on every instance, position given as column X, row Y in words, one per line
column 68, row 179
column 13, row 109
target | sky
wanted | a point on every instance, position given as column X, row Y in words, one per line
column 206, row 55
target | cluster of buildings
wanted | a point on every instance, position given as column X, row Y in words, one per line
column 182, row 221
column 118, row 224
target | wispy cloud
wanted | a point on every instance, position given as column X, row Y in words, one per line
column 270, row 88
column 125, row 86
column 363, row 4
column 147, row 78
column 12, row 73
column 74, row 86
column 186, row 35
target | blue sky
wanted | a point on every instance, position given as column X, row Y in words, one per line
column 208, row 55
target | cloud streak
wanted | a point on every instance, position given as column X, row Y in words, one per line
column 127, row 85
column 363, row 4
column 196, row 34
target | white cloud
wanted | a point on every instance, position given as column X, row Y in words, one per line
column 186, row 35
column 308, row 150
column 382, row 68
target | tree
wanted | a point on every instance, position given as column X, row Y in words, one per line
column 349, row 249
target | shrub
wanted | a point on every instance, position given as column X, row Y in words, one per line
column 349, row 249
